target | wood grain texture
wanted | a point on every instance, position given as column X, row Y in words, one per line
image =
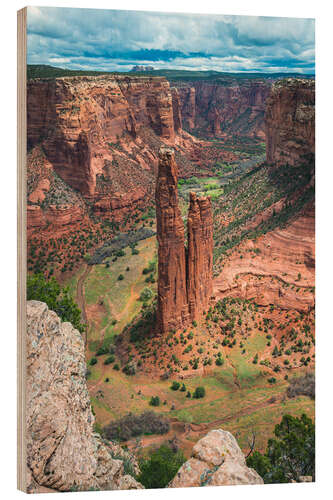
column 21, row 245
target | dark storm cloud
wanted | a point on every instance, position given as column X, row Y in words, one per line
column 116, row 40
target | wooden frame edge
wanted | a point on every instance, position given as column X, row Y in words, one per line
column 21, row 245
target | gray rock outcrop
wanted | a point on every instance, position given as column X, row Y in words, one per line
column 63, row 451
column 216, row 460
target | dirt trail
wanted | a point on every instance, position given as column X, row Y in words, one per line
column 189, row 433
column 234, row 372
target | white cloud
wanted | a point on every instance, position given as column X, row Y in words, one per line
column 99, row 39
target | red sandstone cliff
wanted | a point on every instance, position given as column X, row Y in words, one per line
column 290, row 121
column 176, row 108
column 200, row 255
column 187, row 102
column 278, row 268
column 172, row 311
column 101, row 136
column 283, row 272
column 232, row 108
column 82, row 121
column 184, row 278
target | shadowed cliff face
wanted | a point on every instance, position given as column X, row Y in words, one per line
column 184, row 277
column 290, row 122
column 236, row 108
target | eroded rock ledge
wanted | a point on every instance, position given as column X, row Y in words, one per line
column 63, row 452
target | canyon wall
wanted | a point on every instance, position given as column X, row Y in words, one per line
column 223, row 109
column 63, row 451
column 283, row 270
column 184, row 276
column 278, row 268
column 100, row 136
column 290, row 122
column 82, row 120
column 187, row 102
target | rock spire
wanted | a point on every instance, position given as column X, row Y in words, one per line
column 184, row 275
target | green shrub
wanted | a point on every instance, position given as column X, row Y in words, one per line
column 130, row 369
column 101, row 351
column 56, row 298
column 93, row 361
column 154, row 401
column 120, row 253
column 120, row 277
column 160, row 467
column 199, row 393
column 109, row 360
column 175, row 386
column 291, row 455
column 146, row 294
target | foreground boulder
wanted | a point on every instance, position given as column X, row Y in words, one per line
column 216, row 460
column 63, row 452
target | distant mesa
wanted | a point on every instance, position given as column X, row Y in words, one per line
column 137, row 69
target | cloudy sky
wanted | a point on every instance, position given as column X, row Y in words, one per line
column 112, row 40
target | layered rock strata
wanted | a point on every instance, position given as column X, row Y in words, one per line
column 278, row 268
column 80, row 120
column 63, row 452
column 216, row 460
column 100, row 136
column 187, row 102
column 184, row 275
column 290, row 122
column 224, row 109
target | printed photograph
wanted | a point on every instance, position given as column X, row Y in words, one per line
column 170, row 337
